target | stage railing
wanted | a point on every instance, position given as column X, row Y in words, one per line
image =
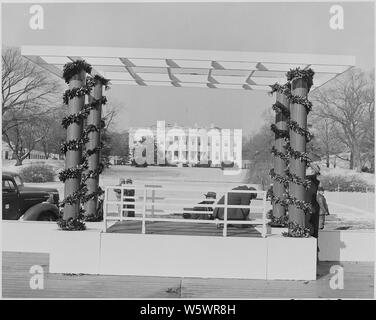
column 146, row 207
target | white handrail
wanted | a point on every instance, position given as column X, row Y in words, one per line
column 155, row 204
column 175, row 189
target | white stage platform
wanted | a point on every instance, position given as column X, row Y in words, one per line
column 273, row 257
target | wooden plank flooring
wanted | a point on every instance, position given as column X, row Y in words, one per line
column 358, row 283
column 186, row 228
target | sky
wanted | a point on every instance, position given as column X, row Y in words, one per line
column 261, row 27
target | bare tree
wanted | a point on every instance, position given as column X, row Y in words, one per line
column 368, row 127
column 23, row 138
column 52, row 132
column 28, row 93
column 110, row 111
column 119, row 144
column 325, row 142
column 257, row 150
column 345, row 103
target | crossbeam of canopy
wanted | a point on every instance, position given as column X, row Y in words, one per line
column 190, row 68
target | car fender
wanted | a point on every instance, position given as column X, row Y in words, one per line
column 33, row 213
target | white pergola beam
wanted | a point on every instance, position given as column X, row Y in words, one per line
column 49, row 67
column 162, row 54
column 212, row 69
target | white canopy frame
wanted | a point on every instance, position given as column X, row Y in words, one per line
column 190, row 68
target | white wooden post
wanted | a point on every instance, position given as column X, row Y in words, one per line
column 225, row 215
column 264, row 215
column 144, row 212
column 121, row 201
column 152, row 202
column 105, row 209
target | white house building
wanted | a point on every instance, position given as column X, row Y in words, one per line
column 176, row 144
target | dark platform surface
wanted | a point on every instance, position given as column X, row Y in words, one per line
column 184, row 228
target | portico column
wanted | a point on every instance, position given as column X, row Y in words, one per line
column 73, row 155
column 281, row 107
column 298, row 120
column 93, row 147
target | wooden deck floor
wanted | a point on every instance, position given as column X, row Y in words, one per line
column 358, row 283
column 186, row 228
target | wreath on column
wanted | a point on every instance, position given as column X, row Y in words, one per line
column 81, row 170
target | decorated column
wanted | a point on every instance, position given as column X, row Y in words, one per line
column 280, row 159
column 75, row 75
column 301, row 82
column 93, row 147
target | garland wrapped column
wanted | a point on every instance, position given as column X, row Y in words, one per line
column 75, row 189
column 93, row 147
column 301, row 82
column 74, row 153
column 280, row 159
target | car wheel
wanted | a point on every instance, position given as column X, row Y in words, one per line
column 47, row 216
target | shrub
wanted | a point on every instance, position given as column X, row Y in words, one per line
column 38, row 173
column 348, row 183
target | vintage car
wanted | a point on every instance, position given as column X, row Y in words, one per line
column 22, row 202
